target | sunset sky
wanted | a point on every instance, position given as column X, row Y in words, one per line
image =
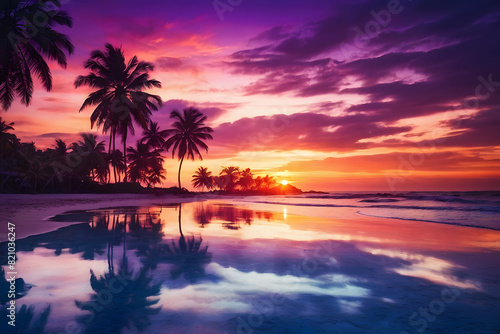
column 330, row 95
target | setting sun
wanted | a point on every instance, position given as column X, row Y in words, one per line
column 284, row 182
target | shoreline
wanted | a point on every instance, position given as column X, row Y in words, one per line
column 30, row 212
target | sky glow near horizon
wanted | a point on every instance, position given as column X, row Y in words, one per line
column 331, row 95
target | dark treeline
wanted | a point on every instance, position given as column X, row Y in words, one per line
column 234, row 180
column 83, row 165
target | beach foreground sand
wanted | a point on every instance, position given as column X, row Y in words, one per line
column 30, row 212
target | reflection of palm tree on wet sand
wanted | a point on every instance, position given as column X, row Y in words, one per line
column 25, row 321
column 188, row 256
column 121, row 298
column 229, row 214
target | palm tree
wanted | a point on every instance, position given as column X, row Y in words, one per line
column 246, row 179
column 230, row 175
column 268, row 181
column 257, row 183
column 153, row 136
column 92, row 154
column 118, row 164
column 219, row 182
column 60, row 149
column 6, row 140
column 202, row 178
column 56, row 158
column 36, row 173
column 31, row 165
column 188, row 135
column 119, row 97
column 23, row 46
column 146, row 166
column 156, row 174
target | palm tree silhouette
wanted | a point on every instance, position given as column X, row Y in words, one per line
column 118, row 164
column 6, row 142
column 153, row 136
column 268, row 181
column 146, row 166
column 246, row 179
column 156, row 175
column 60, row 150
column 230, row 176
column 22, row 50
column 6, row 138
column 187, row 136
column 57, row 155
column 202, row 178
column 36, row 173
column 257, row 183
column 33, row 168
column 119, row 97
column 92, row 154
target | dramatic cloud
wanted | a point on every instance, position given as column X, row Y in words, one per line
column 379, row 163
column 372, row 79
column 422, row 59
column 303, row 131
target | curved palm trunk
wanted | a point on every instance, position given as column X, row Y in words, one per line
column 125, row 156
column 180, row 218
column 182, row 240
column 114, row 156
column 179, row 174
column 109, row 154
column 125, row 239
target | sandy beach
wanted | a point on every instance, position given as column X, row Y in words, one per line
column 30, row 212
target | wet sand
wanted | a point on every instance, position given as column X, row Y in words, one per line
column 30, row 212
column 268, row 268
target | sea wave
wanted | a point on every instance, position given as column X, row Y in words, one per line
column 451, row 197
column 478, row 209
column 432, row 221
column 412, row 207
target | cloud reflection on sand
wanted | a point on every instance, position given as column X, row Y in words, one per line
column 427, row 267
column 216, row 261
column 228, row 293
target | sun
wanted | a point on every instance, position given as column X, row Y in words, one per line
column 284, row 182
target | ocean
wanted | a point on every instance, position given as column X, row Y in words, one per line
column 476, row 209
